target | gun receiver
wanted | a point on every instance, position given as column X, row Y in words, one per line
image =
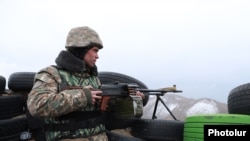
column 126, row 89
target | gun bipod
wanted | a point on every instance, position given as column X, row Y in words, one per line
column 158, row 98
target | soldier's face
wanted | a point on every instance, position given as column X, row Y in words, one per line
column 91, row 56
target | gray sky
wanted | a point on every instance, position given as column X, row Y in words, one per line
column 201, row 46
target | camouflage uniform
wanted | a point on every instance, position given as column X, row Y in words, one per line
column 49, row 101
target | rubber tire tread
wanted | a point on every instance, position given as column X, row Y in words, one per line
column 118, row 137
column 219, row 118
column 21, row 81
column 10, row 129
column 112, row 122
column 113, row 77
column 158, row 130
column 11, row 106
column 2, row 84
column 192, row 139
column 238, row 101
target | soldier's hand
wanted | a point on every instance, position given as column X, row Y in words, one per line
column 138, row 93
column 96, row 96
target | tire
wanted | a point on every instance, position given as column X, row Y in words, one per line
column 13, row 127
column 35, row 127
column 2, row 84
column 158, row 130
column 112, row 77
column 239, row 100
column 118, row 137
column 194, row 125
column 21, row 81
column 11, row 106
column 112, row 122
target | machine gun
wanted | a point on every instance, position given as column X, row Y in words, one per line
column 117, row 89
column 125, row 89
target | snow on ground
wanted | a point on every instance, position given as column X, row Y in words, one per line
column 204, row 106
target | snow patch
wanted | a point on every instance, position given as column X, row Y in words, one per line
column 203, row 107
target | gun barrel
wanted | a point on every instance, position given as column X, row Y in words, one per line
column 159, row 91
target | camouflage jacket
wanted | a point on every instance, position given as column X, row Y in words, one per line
column 46, row 100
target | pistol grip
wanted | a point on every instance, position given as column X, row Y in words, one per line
column 104, row 103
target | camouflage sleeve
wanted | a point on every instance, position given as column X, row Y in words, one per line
column 45, row 101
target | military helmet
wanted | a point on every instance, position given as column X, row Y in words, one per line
column 83, row 37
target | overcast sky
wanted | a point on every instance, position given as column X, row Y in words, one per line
column 201, row 46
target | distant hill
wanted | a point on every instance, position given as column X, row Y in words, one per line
column 183, row 107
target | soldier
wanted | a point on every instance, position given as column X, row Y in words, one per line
column 71, row 114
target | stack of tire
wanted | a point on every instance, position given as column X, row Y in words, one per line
column 238, row 103
column 13, row 121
